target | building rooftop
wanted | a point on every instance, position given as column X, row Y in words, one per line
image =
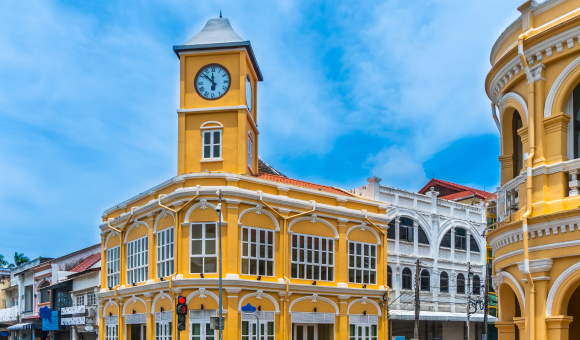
column 303, row 184
column 87, row 263
column 453, row 191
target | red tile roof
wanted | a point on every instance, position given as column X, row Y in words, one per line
column 88, row 263
column 457, row 188
column 303, row 184
column 457, row 195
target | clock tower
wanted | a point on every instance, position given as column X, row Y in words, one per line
column 217, row 111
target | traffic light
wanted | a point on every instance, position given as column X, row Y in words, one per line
column 181, row 312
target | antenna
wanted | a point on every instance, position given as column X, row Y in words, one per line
column 220, row 13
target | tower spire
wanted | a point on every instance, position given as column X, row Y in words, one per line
column 220, row 13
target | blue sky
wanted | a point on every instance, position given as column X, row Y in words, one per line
column 89, row 89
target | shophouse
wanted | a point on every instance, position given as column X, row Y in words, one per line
column 446, row 237
column 64, row 295
column 311, row 258
column 7, row 315
column 534, row 81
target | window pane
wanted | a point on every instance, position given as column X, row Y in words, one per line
column 216, row 137
column 210, row 231
column 196, row 231
column 207, row 138
column 196, row 265
column 210, row 264
column 216, row 151
column 210, row 247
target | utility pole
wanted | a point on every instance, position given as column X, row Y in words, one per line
column 486, row 302
column 468, row 296
column 417, row 307
column 220, row 320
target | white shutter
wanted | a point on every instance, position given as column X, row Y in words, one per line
column 264, row 316
column 363, row 319
column 133, row 319
column 111, row 320
column 163, row 316
column 306, row 317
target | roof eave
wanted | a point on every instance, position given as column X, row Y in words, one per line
column 246, row 44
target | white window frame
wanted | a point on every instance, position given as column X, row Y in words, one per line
column 362, row 258
column 165, row 252
column 137, row 260
column 163, row 328
column 211, row 144
column 80, row 300
column 305, row 264
column 203, row 240
column 246, row 253
column 250, row 152
column 362, row 324
column 265, row 319
column 91, row 299
column 203, row 324
column 112, row 332
column 113, row 266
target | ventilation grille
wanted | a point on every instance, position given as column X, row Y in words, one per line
column 364, row 319
column 132, row 319
column 111, row 320
column 163, row 316
column 264, row 316
column 303, row 317
column 202, row 314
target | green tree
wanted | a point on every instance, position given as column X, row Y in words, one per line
column 3, row 262
column 20, row 259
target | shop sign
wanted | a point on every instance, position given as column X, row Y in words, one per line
column 73, row 315
column 50, row 324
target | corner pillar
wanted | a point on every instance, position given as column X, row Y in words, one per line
column 342, row 270
column 232, row 328
column 558, row 327
column 232, row 251
column 506, row 330
column 520, row 323
column 149, row 323
column 556, row 127
column 343, row 331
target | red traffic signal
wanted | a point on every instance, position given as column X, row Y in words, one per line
column 181, row 300
column 181, row 310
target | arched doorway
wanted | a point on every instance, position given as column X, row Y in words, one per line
column 574, row 312
column 509, row 307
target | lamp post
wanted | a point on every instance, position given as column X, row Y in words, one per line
column 469, row 278
column 219, row 211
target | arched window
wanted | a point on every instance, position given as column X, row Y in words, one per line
column 573, row 109
column 389, row 277
column 425, row 280
column 460, row 284
column 406, row 229
column 391, row 230
column 422, row 236
column 446, row 241
column 444, row 283
column 472, row 244
column 44, row 294
column 476, row 285
column 407, row 278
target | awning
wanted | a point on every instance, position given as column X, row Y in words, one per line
column 20, row 326
column 438, row 316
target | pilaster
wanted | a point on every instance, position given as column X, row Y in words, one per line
column 342, row 270
column 506, row 330
column 149, row 323
column 520, row 323
column 556, row 127
column 415, row 238
column 558, row 327
column 232, row 251
column 343, row 318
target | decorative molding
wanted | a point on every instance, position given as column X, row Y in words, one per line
column 364, row 301
column 556, row 286
column 364, row 227
column 161, row 295
column 314, row 219
column 502, row 275
column 259, row 210
column 536, row 72
column 314, row 298
column 134, row 299
column 536, row 266
column 109, row 303
column 556, row 86
column 134, row 225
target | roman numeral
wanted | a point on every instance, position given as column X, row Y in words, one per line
column 200, row 83
column 225, row 74
column 225, row 88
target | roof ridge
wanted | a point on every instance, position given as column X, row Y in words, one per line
column 85, row 264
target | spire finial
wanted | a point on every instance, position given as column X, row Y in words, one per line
column 220, row 13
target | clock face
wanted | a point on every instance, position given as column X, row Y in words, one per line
column 249, row 97
column 212, row 81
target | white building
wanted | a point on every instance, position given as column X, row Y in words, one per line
column 444, row 236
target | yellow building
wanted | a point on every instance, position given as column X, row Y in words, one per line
column 311, row 258
column 534, row 81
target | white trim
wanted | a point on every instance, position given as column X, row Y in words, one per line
column 205, row 127
column 505, row 274
column 556, row 86
column 364, row 227
column 365, row 300
column 315, row 218
column 221, row 108
column 110, row 303
column 313, row 298
column 164, row 212
column 109, row 236
column 261, row 294
column 203, row 292
column 516, row 97
column 259, row 211
column 134, row 225
column 134, row 299
column 556, row 286
column 161, row 295
column 203, row 203
column 570, row 136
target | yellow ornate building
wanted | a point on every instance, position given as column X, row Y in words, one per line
column 534, row 82
column 311, row 258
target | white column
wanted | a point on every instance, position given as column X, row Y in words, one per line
column 452, row 289
column 397, row 235
column 415, row 238
column 452, row 243
column 468, row 240
column 574, row 183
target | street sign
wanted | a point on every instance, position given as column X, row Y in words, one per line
column 248, row 308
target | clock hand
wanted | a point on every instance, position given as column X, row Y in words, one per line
column 208, row 78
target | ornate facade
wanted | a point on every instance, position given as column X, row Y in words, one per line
column 311, row 258
column 534, row 82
